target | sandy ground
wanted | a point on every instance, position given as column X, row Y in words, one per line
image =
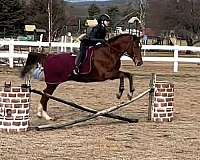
column 108, row 139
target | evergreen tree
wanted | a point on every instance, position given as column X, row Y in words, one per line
column 37, row 14
column 93, row 11
column 114, row 14
column 11, row 17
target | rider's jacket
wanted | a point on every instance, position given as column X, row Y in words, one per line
column 96, row 35
column 98, row 32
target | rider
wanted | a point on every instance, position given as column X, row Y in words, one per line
column 97, row 35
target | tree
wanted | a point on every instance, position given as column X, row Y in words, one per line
column 11, row 17
column 188, row 18
column 155, row 15
column 134, row 8
column 181, row 16
column 142, row 11
column 37, row 14
column 93, row 11
column 114, row 13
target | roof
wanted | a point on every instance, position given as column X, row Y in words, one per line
column 133, row 19
column 29, row 28
column 91, row 23
column 41, row 30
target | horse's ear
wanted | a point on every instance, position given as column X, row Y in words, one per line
column 139, row 38
column 42, row 50
column 136, row 38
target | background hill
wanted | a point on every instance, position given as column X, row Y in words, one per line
column 81, row 8
column 100, row 3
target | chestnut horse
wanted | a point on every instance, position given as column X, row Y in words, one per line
column 105, row 64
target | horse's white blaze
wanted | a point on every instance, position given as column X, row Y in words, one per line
column 42, row 114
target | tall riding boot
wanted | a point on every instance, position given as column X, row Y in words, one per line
column 77, row 64
column 79, row 59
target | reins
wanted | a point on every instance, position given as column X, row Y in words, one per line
column 117, row 50
column 113, row 48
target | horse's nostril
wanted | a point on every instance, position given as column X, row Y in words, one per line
column 139, row 63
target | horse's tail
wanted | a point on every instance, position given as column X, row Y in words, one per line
column 33, row 59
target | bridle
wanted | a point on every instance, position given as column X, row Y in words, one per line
column 130, row 45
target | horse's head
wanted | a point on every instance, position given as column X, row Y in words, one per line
column 134, row 50
column 129, row 44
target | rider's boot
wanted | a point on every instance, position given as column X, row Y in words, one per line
column 76, row 70
column 79, row 60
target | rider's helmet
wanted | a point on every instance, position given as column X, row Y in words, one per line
column 104, row 19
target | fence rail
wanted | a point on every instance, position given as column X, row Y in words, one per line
column 12, row 53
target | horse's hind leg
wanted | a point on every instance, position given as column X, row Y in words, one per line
column 42, row 106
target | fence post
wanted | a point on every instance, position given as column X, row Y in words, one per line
column 151, row 94
column 11, row 52
column 65, row 41
column 62, row 41
column 176, row 60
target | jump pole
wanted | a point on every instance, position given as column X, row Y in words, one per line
column 161, row 96
column 100, row 113
column 110, row 115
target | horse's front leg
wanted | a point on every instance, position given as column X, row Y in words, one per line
column 42, row 106
column 131, row 87
column 121, row 87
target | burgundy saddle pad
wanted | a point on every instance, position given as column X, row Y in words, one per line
column 59, row 67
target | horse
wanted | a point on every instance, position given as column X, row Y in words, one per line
column 104, row 65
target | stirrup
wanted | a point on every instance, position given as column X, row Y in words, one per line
column 76, row 71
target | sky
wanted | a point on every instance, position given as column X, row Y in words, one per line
column 84, row 0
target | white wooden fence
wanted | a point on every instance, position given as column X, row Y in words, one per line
column 11, row 53
column 175, row 59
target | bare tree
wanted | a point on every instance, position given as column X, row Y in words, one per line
column 138, row 8
column 37, row 13
column 181, row 16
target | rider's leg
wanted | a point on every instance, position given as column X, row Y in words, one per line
column 80, row 57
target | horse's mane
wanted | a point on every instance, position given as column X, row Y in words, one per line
column 112, row 39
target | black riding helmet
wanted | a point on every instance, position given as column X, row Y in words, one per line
column 103, row 17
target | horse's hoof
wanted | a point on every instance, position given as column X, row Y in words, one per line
column 39, row 115
column 49, row 118
column 130, row 96
column 118, row 96
column 53, row 119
